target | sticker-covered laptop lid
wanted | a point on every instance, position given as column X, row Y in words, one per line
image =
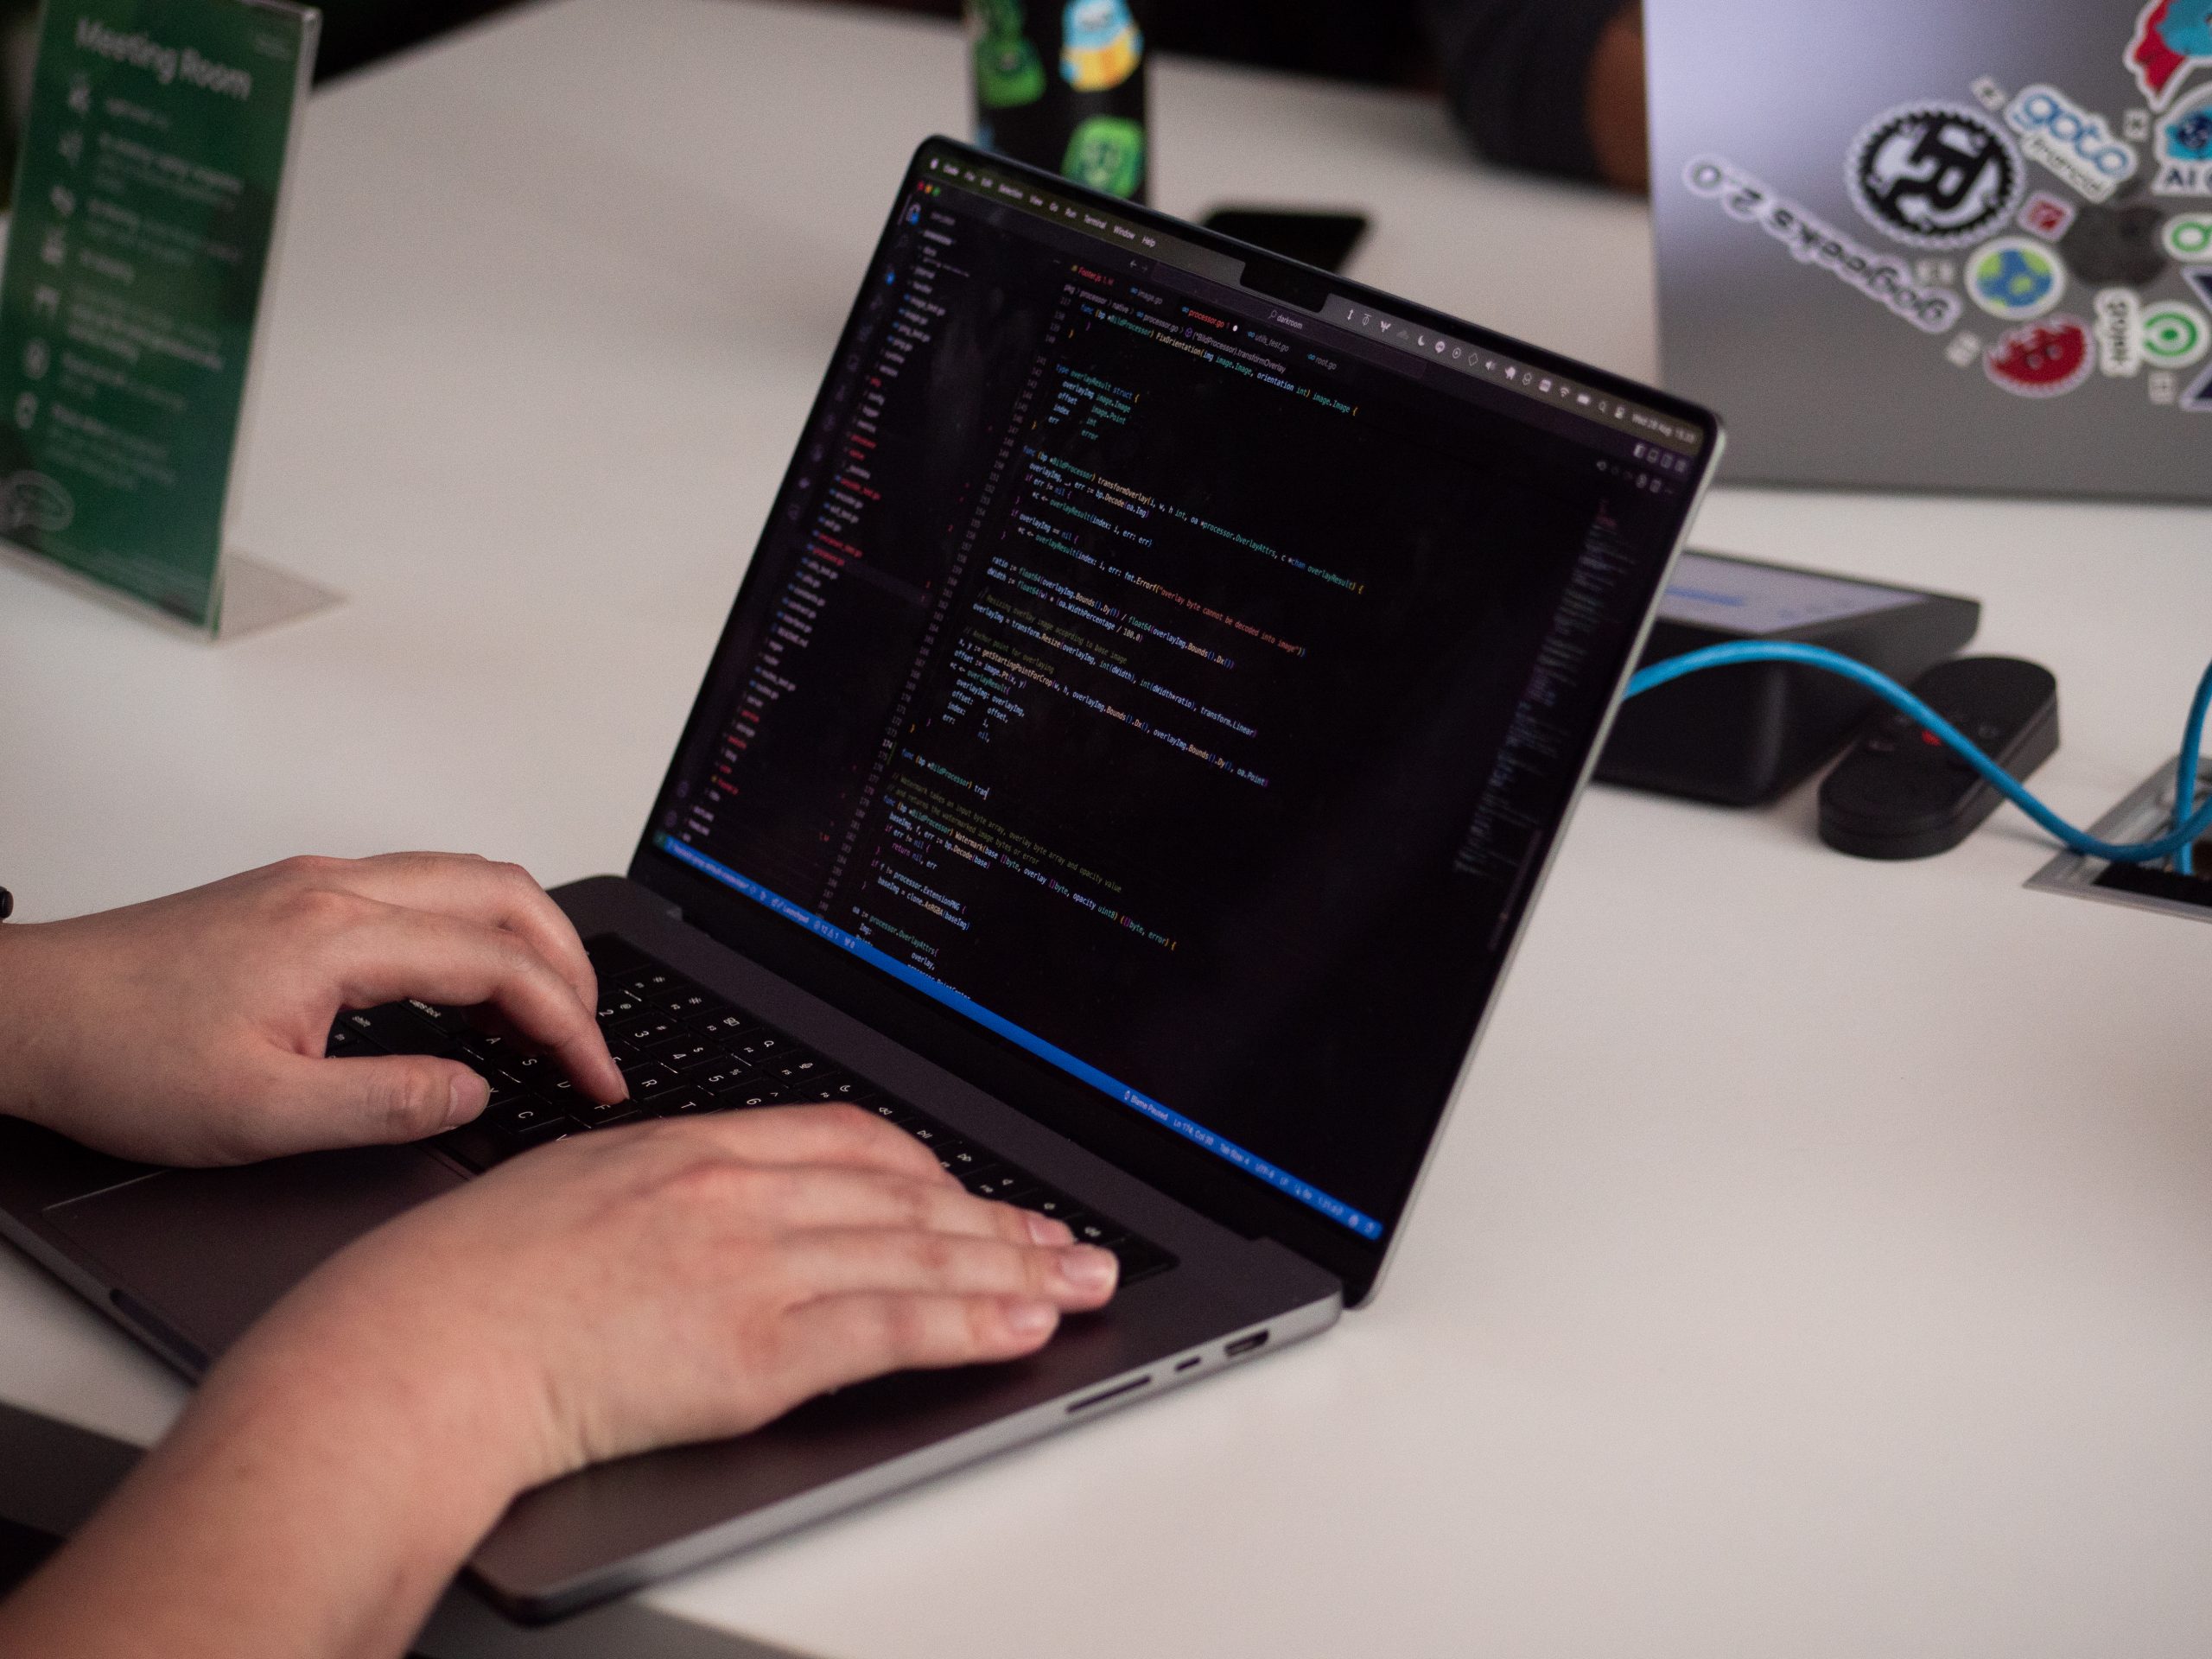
column 1949, row 246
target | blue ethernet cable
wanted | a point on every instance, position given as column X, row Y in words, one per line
column 2192, row 819
column 2192, row 746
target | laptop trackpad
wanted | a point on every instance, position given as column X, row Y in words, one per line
column 207, row 1251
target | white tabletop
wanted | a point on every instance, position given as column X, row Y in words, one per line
column 1820, row 1260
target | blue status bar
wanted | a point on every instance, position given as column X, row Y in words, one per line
column 1251, row 1163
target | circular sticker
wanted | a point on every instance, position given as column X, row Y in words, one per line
column 2016, row 278
column 1936, row 175
column 2042, row 359
column 2187, row 134
column 2189, row 235
column 2175, row 335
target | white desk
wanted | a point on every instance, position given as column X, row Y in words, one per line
column 1820, row 1261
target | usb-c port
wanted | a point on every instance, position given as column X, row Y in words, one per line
column 1245, row 1345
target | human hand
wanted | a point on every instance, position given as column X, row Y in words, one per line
column 190, row 1030
column 674, row 1281
column 634, row 1287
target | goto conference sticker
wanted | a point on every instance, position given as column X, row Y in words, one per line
column 2042, row 359
column 2074, row 143
column 2174, row 335
column 1934, row 175
column 1811, row 240
column 2016, row 278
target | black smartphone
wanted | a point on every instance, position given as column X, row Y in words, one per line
column 1315, row 238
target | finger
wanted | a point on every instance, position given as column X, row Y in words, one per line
column 830, row 1197
column 837, row 1133
column 388, row 952
column 842, row 1262
column 478, row 890
column 845, row 1340
column 307, row 1104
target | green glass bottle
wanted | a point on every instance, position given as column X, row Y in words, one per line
column 1060, row 85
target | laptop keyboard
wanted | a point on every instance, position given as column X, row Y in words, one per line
column 686, row 1051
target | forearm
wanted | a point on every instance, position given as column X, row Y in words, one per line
column 1619, row 134
column 285, row 1514
column 27, row 1018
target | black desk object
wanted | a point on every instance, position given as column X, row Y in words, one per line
column 1743, row 735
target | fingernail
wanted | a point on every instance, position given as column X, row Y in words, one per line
column 1031, row 1319
column 469, row 1095
column 1087, row 1268
column 1043, row 1230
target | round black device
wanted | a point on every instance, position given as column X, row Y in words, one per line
column 1902, row 793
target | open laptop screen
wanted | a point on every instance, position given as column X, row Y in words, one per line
column 1184, row 684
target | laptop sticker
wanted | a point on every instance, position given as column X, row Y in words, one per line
column 2189, row 235
column 2015, row 278
column 2119, row 314
column 1007, row 72
column 2042, row 359
column 2073, row 142
column 2047, row 216
column 1812, row 241
column 1106, row 153
column 2175, row 335
column 2185, row 148
column 1934, row 174
column 1101, row 45
column 2172, row 37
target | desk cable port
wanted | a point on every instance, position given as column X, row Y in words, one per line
column 1246, row 1344
column 2144, row 811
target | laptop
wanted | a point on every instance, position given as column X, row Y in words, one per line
column 1131, row 755
column 1946, row 247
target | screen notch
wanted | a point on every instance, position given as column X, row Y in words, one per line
column 1307, row 289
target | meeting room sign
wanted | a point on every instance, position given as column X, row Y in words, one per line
column 147, row 203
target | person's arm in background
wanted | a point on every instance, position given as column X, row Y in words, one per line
column 638, row 1287
column 1553, row 86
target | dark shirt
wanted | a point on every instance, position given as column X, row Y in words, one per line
column 1515, row 72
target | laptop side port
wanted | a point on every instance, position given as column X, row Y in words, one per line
column 1113, row 1393
column 1247, row 1344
